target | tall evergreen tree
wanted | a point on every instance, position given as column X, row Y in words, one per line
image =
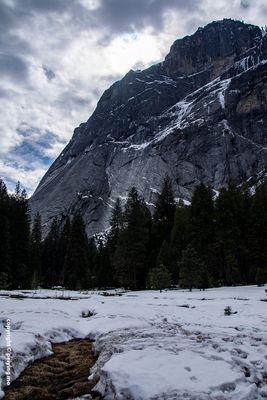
column 36, row 251
column 180, row 237
column 165, row 205
column 159, row 277
column 19, row 222
column 63, row 241
column 103, row 271
column 162, row 219
column 191, row 267
column 109, row 250
column 77, row 271
column 165, row 256
column 257, row 243
column 260, row 278
column 5, row 236
column 244, row 256
column 92, row 262
column 229, row 211
column 203, row 226
column 130, row 257
column 116, row 225
column 51, row 255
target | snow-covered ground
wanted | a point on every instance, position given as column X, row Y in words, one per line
column 152, row 345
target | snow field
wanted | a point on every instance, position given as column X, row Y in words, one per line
column 151, row 345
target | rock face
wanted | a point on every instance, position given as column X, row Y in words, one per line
column 198, row 116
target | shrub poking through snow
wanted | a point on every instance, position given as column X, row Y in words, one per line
column 228, row 311
column 87, row 314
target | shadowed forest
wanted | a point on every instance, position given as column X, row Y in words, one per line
column 216, row 240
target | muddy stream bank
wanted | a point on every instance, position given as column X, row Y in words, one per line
column 62, row 375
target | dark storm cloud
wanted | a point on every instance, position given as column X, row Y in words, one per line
column 13, row 66
column 130, row 15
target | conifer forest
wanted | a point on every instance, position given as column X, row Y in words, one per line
column 218, row 239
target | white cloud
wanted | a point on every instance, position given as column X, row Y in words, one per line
column 66, row 53
column 13, row 174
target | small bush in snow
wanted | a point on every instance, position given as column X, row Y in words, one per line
column 87, row 314
column 228, row 310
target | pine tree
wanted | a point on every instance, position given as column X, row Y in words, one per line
column 257, row 243
column 109, row 250
column 204, row 278
column 116, row 225
column 92, row 262
column 159, row 277
column 103, row 271
column 244, row 256
column 230, row 238
column 77, row 273
column 190, row 269
column 63, row 241
column 165, row 204
column 162, row 219
column 5, row 233
column 260, row 277
column 180, row 237
column 130, row 257
column 4, row 280
column 36, row 251
column 203, row 225
column 50, row 255
column 165, row 256
column 19, row 222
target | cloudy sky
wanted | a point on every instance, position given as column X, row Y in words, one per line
column 58, row 56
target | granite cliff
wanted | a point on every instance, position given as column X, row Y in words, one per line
column 198, row 116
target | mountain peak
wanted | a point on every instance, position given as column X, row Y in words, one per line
column 198, row 116
column 212, row 47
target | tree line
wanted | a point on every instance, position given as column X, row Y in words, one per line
column 216, row 240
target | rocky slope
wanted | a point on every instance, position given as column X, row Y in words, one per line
column 198, row 116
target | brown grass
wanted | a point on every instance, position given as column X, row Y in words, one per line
column 63, row 375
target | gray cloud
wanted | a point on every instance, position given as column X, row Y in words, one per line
column 14, row 67
column 7, row 16
column 264, row 11
column 44, row 5
column 245, row 3
column 11, row 42
column 71, row 101
column 49, row 73
column 131, row 15
column 57, row 58
column 12, row 14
